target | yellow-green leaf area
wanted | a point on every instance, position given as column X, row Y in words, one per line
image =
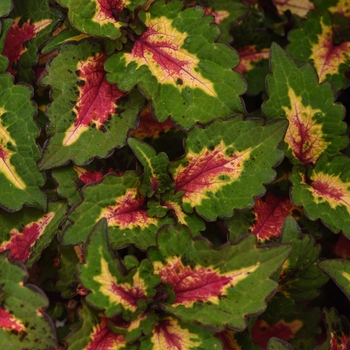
column 178, row 65
column 216, row 174
column 324, row 192
column 315, row 121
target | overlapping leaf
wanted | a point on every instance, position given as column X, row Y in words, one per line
column 313, row 41
column 32, row 25
column 225, row 13
column 94, row 333
column 155, row 178
column 339, row 271
column 323, row 192
column 315, row 125
column 5, row 27
column 23, row 321
column 173, row 334
column 297, row 7
column 20, row 180
column 226, row 164
column 5, row 7
column 300, row 277
column 177, row 65
column 215, row 287
column 26, row 233
column 338, row 332
column 112, row 290
column 118, row 200
column 254, row 66
column 98, row 17
column 88, row 116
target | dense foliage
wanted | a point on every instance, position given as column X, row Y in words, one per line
column 174, row 175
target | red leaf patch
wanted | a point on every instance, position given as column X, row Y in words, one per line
column 270, row 215
column 20, row 243
column 9, row 322
column 199, row 283
column 107, row 8
column 17, row 37
column 96, row 101
column 128, row 211
column 250, row 55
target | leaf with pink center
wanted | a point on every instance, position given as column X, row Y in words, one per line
column 86, row 110
column 20, row 180
column 315, row 121
column 178, row 65
column 95, row 333
column 110, row 288
column 27, row 232
column 226, row 165
column 24, row 323
column 28, row 31
column 118, row 200
column 99, row 17
column 323, row 192
column 314, row 41
column 171, row 334
column 219, row 279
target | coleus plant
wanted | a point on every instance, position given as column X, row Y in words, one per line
column 174, row 175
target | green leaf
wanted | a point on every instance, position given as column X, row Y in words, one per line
column 215, row 287
column 278, row 344
column 111, row 289
column 300, row 277
column 178, row 66
column 5, row 27
column 23, row 322
column 26, row 233
column 94, row 333
column 96, row 17
column 339, row 271
column 155, row 177
column 170, row 333
column 313, row 41
column 32, row 26
column 5, row 7
column 323, row 192
column 315, row 121
column 20, row 179
column 226, row 165
column 118, row 200
column 88, row 116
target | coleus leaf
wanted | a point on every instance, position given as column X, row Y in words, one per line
column 338, row 333
column 5, row 27
column 297, row 7
column 215, row 287
column 5, row 7
column 172, row 202
column 94, row 333
column 27, row 232
column 98, row 17
column 20, row 180
column 323, row 192
column 254, row 66
column 32, row 25
column 178, row 66
column 225, row 13
column 339, row 271
column 118, row 200
column 278, row 344
column 226, row 164
column 24, row 323
column 300, row 277
column 315, row 125
column 262, row 331
column 86, row 110
column 313, row 41
column 170, row 333
column 111, row 289
column 155, row 177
